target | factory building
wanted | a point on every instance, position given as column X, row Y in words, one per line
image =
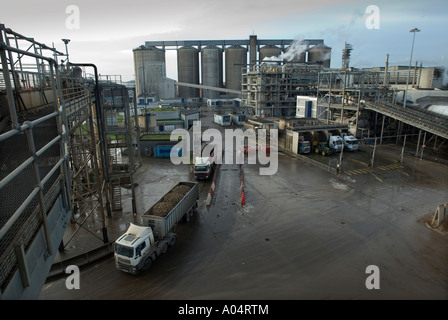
column 419, row 77
column 271, row 90
column 212, row 69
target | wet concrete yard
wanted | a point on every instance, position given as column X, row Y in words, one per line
column 303, row 233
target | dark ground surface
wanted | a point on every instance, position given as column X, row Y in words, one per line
column 303, row 233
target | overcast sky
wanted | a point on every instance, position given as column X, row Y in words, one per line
column 108, row 30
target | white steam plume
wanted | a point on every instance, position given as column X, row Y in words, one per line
column 292, row 52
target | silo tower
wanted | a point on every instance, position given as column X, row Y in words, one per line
column 188, row 71
column 269, row 51
column 211, row 70
column 236, row 60
column 320, row 53
column 149, row 68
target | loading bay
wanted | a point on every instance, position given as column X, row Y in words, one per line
column 302, row 233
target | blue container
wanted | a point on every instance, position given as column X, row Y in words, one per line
column 165, row 151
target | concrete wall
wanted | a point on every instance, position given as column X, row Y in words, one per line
column 37, row 263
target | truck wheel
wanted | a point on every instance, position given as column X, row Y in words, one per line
column 316, row 150
column 323, row 153
column 148, row 263
column 164, row 247
column 187, row 217
column 172, row 241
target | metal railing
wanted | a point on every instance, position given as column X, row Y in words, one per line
column 33, row 163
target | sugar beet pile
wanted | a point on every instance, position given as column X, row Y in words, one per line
column 169, row 201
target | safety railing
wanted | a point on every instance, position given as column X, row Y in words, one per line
column 33, row 163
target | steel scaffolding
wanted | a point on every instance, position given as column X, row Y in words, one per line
column 68, row 142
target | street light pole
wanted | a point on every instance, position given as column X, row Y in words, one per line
column 66, row 41
column 409, row 71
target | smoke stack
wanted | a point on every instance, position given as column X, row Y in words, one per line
column 346, row 56
column 386, row 69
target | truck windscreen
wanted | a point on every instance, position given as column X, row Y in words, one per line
column 124, row 250
column 201, row 168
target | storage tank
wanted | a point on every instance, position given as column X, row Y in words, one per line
column 188, row 71
column 211, row 70
column 321, row 53
column 296, row 52
column 149, row 68
column 292, row 55
column 268, row 52
column 236, row 60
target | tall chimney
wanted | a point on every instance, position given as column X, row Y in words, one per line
column 386, row 69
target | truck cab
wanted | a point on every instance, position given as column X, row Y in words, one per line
column 304, row 147
column 132, row 248
column 350, row 142
column 203, row 168
column 335, row 143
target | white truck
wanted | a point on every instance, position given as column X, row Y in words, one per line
column 204, row 166
column 350, row 142
column 335, row 143
column 136, row 250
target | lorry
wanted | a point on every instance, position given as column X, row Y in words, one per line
column 335, row 143
column 140, row 245
column 204, row 166
column 304, row 145
column 350, row 142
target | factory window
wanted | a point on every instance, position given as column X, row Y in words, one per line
column 141, row 101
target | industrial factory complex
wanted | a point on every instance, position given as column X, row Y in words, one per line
column 74, row 144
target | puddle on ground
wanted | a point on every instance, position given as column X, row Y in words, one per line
column 338, row 185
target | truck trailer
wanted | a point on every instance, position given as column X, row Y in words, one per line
column 139, row 246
